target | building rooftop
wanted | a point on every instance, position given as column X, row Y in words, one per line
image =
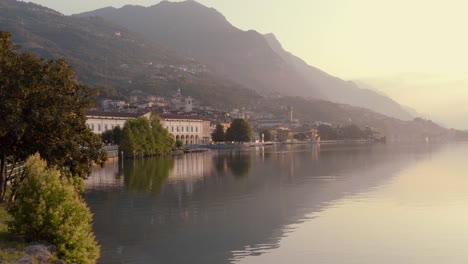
column 188, row 117
column 114, row 114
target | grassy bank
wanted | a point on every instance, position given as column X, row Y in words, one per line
column 10, row 251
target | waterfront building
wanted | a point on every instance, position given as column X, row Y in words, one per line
column 100, row 121
column 190, row 130
column 187, row 129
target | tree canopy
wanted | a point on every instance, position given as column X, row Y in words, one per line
column 142, row 136
column 344, row 133
column 48, row 208
column 267, row 135
column 239, row 131
column 218, row 134
column 43, row 110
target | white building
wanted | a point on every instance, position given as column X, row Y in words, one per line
column 187, row 104
column 100, row 121
column 189, row 130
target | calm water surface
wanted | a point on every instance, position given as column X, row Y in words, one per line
column 288, row 204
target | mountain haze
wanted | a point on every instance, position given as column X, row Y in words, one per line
column 206, row 35
column 247, row 57
column 105, row 53
column 338, row 90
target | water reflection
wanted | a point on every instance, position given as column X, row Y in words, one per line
column 239, row 163
column 202, row 216
column 147, row 175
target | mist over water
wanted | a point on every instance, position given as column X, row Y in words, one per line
column 300, row 204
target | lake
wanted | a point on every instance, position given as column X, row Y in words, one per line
column 286, row 204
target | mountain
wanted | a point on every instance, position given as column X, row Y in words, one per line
column 338, row 90
column 103, row 53
column 247, row 57
column 205, row 34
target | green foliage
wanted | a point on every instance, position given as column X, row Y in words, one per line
column 300, row 136
column 179, row 144
column 117, row 135
column 239, row 131
column 342, row 133
column 267, row 135
column 218, row 134
column 145, row 137
column 113, row 136
column 43, row 109
column 48, row 208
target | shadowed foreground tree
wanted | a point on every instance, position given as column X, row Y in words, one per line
column 42, row 110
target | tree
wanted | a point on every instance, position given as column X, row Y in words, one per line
column 147, row 137
column 42, row 109
column 352, row 132
column 300, row 136
column 107, row 136
column 49, row 209
column 239, row 131
column 267, row 135
column 117, row 135
column 327, row 132
column 218, row 134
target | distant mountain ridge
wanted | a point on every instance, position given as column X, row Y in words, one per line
column 247, row 57
column 337, row 90
column 103, row 53
column 205, row 34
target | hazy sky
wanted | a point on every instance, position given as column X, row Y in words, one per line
column 416, row 51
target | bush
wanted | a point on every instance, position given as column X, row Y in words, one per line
column 48, row 208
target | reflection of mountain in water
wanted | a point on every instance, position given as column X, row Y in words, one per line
column 224, row 217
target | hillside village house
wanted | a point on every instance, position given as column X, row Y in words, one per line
column 189, row 130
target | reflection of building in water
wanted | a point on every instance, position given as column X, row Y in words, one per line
column 105, row 178
column 190, row 169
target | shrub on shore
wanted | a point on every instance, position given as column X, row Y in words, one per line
column 49, row 208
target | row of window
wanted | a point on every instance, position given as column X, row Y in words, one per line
column 181, row 129
column 99, row 127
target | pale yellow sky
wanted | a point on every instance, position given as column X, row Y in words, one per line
column 378, row 41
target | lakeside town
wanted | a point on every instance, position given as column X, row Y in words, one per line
column 193, row 124
column 166, row 134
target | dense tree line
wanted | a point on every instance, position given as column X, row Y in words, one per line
column 327, row 132
column 145, row 137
